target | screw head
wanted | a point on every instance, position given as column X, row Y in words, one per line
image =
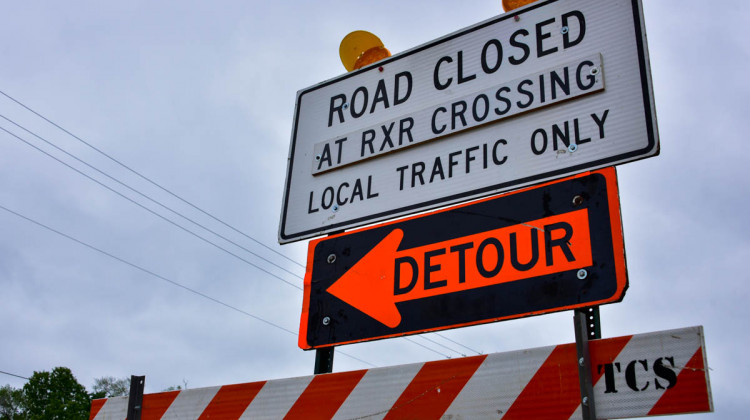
column 585, row 401
column 577, row 200
column 346, row 105
column 580, row 361
column 335, row 208
column 326, row 320
column 564, row 30
column 594, row 71
column 582, row 274
column 331, row 258
column 573, row 147
column 317, row 157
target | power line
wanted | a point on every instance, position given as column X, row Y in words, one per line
column 430, row 349
column 174, row 283
column 183, row 228
column 149, row 179
column 173, row 211
column 456, row 342
column 160, row 277
column 152, row 212
column 441, row 345
column 146, row 196
column 13, row 374
column 355, row 358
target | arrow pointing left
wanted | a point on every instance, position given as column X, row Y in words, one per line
column 387, row 275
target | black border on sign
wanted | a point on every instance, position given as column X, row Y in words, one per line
column 475, row 193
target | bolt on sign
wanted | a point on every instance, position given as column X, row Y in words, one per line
column 549, row 248
column 553, row 88
column 634, row 376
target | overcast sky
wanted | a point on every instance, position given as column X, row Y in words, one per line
column 199, row 97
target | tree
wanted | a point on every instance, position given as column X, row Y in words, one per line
column 56, row 395
column 177, row 387
column 11, row 403
column 109, row 386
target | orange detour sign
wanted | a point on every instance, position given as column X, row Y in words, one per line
column 417, row 273
column 549, row 248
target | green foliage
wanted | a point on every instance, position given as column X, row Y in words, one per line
column 177, row 387
column 56, row 395
column 109, row 386
column 11, row 403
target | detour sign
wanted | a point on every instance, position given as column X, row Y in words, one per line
column 549, row 248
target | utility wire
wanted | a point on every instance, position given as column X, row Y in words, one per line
column 149, row 179
column 183, row 228
column 160, row 277
column 174, row 283
column 456, row 342
column 146, row 196
column 13, row 374
column 443, row 346
column 153, row 212
column 430, row 349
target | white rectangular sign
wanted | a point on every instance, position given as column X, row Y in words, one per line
column 555, row 88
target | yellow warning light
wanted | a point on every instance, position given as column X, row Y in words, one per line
column 361, row 48
column 509, row 5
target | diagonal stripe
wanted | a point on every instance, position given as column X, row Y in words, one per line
column 554, row 391
column 324, row 395
column 189, row 403
column 529, row 384
column 434, row 388
column 96, row 405
column 376, row 393
column 113, row 408
column 155, row 405
column 552, row 394
column 605, row 351
column 690, row 394
column 499, row 380
column 276, row 398
column 634, row 384
column 231, row 401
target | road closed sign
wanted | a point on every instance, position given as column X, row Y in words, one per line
column 549, row 248
column 554, row 88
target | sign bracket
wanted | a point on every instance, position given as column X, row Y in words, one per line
column 324, row 356
column 586, row 323
column 323, row 360
column 593, row 325
column 135, row 397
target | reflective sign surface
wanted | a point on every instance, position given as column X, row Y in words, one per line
column 554, row 247
column 552, row 89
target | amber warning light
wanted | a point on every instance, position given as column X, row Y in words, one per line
column 509, row 5
column 361, row 48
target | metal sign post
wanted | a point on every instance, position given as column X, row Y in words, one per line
column 323, row 360
column 135, row 397
column 581, row 322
